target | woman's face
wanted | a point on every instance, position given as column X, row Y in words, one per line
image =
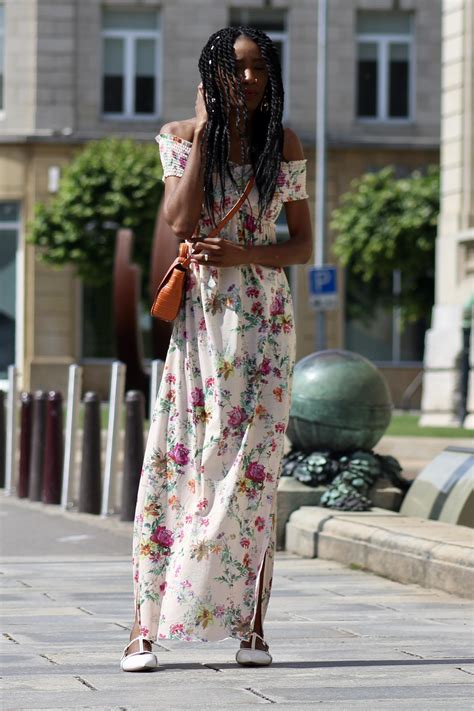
column 251, row 71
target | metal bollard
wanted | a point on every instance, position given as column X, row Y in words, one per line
column 90, row 487
column 464, row 373
column 3, row 436
column 117, row 387
column 73, row 404
column 53, row 449
column 11, row 443
column 37, row 445
column 133, row 452
column 26, row 408
column 157, row 367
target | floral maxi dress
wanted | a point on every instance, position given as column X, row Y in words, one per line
column 204, row 523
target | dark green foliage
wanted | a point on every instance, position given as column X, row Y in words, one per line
column 382, row 225
column 111, row 183
column 349, row 477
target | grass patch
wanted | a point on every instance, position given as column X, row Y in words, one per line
column 406, row 425
column 104, row 416
column 402, row 425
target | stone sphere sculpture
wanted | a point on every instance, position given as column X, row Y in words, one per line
column 340, row 402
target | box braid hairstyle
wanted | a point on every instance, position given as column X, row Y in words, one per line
column 222, row 93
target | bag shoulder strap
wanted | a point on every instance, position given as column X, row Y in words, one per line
column 233, row 209
column 184, row 254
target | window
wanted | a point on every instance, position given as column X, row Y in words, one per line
column 131, row 62
column 381, row 338
column 98, row 336
column 382, row 341
column 2, row 52
column 97, row 321
column 273, row 23
column 9, row 231
column 384, row 66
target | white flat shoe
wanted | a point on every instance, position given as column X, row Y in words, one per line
column 142, row 660
column 251, row 657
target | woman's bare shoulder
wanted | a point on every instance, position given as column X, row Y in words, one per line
column 292, row 148
column 183, row 129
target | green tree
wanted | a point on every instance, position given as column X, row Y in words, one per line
column 111, row 183
column 385, row 224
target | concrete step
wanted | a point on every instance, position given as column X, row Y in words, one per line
column 407, row 549
column 292, row 494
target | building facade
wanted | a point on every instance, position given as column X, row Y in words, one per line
column 80, row 70
column 454, row 308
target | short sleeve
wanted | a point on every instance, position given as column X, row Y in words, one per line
column 291, row 181
column 174, row 152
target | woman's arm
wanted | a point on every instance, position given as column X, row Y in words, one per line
column 296, row 250
column 183, row 196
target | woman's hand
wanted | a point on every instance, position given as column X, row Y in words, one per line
column 201, row 111
column 219, row 252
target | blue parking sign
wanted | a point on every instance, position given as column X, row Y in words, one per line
column 322, row 283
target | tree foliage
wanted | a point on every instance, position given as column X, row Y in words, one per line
column 111, row 183
column 385, row 224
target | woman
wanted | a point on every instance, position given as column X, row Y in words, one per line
column 203, row 539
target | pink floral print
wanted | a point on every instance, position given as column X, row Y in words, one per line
column 204, row 522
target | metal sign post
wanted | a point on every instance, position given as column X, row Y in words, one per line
column 320, row 206
column 322, row 284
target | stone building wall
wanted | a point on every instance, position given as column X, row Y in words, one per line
column 442, row 393
column 53, row 105
column 55, row 51
column 21, row 34
column 342, row 31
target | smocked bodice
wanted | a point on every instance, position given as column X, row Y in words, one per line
column 244, row 227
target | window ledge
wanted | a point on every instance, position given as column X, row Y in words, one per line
column 383, row 140
column 136, row 118
column 384, row 122
column 398, row 364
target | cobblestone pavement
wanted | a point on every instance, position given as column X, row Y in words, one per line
column 341, row 639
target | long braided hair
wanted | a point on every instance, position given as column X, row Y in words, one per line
column 222, row 94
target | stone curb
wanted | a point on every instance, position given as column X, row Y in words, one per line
column 407, row 549
column 292, row 494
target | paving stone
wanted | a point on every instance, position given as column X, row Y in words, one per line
column 341, row 639
column 42, row 682
column 12, row 663
column 397, row 705
column 367, row 680
column 147, row 691
column 36, row 613
column 370, row 693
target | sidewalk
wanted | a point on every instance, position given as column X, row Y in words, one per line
column 414, row 453
column 408, row 549
column 341, row 639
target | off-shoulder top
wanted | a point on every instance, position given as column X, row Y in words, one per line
column 291, row 186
